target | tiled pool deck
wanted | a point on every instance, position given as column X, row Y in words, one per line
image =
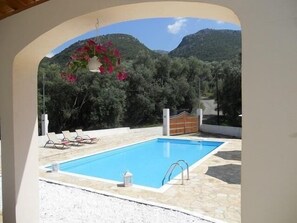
column 213, row 189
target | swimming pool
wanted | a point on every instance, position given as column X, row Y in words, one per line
column 147, row 161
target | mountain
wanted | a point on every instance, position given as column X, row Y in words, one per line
column 162, row 52
column 206, row 45
column 128, row 46
column 210, row 45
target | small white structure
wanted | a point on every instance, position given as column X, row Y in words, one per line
column 55, row 167
column 128, row 179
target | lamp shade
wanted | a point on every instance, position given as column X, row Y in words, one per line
column 94, row 64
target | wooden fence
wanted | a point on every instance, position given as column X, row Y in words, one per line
column 183, row 123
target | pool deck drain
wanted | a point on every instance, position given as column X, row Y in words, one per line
column 213, row 189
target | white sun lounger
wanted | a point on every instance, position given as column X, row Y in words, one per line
column 54, row 141
column 85, row 138
column 72, row 140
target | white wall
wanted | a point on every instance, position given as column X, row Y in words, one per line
column 223, row 130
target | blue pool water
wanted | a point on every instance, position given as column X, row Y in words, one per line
column 147, row 161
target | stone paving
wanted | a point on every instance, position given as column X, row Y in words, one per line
column 213, row 189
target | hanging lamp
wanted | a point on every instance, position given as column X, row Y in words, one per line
column 94, row 63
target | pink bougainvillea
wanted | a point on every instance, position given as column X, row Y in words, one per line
column 70, row 78
column 107, row 55
column 122, row 75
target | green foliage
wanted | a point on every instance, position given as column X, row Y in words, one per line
column 95, row 101
column 230, row 95
column 140, row 87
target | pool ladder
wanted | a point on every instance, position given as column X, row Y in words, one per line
column 172, row 167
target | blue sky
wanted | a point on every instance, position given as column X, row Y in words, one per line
column 157, row 33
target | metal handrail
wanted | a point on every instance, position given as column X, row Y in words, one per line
column 188, row 173
column 172, row 167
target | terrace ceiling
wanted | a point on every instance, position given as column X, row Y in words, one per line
column 10, row 7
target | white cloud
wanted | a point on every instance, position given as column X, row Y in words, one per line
column 220, row 22
column 50, row 54
column 177, row 25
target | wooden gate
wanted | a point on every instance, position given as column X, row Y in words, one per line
column 183, row 123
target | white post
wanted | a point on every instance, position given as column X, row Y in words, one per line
column 166, row 122
column 44, row 124
column 200, row 116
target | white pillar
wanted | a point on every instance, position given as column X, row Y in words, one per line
column 19, row 147
column 269, row 153
column 44, row 124
column 200, row 116
column 166, row 122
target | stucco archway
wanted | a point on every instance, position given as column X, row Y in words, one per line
column 269, row 34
